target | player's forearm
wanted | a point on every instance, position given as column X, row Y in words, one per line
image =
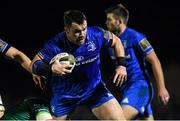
column 18, row 56
column 158, row 74
column 119, row 51
column 23, row 60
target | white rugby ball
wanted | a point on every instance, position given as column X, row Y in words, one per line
column 64, row 58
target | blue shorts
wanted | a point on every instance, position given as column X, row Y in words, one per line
column 64, row 106
column 138, row 94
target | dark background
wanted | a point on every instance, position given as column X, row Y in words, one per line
column 27, row 25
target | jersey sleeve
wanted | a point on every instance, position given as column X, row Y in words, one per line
column 143, row 45
column 4, row 46
column 105, row 37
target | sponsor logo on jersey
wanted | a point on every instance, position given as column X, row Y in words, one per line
column 145, row 44
column 87, row 61
column 79, row 58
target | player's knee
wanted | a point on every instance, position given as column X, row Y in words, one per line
column 43, row 116
column 60, row 118
column 129, row 112
column 148, row 118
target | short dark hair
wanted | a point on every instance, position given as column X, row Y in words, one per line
column 71, row 16
column 119, row 11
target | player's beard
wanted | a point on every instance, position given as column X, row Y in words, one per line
column 80, row 40
column 116, row 31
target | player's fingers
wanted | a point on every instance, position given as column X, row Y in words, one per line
column 62, row 73
column 166, row 99
column 67, row 70
column 115, row 78
column 120, row 79
column 67, row 66
column 34, row 79
column 40, row 84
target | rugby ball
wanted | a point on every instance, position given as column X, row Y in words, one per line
column 64, row 58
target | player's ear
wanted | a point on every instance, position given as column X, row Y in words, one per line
column 119, row 21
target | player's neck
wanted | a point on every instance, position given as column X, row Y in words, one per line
column 122, row 29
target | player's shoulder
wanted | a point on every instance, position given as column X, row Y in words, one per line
column 95, row 29
column 136, row 34
column 60, row 36
column 57, row 38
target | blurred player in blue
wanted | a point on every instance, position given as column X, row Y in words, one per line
column 82, row 85
column 136, row 92
column 35, row 106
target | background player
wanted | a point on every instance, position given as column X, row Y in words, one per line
column 136, row 91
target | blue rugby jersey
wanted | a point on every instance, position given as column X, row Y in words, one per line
column 136, row 48
column 4, row 46
column 86, row 74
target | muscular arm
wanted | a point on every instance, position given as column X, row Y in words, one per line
column 117, row 45
column 157, row 69
column 18, row 56
column 120, row 72
column 36, row 57
column 159, row 77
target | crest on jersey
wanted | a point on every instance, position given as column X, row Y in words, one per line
column 145, row 44
column 91, row 46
